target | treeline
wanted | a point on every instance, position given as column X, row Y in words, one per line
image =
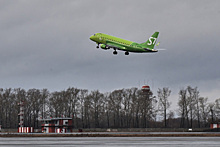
column 196, row 111
column 123, row 108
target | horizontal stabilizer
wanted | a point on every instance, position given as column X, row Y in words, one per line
column 161, row 49
column 158, row 44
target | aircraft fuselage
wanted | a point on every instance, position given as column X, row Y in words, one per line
column 107, row 42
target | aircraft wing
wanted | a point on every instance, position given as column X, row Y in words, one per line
column 115, row 46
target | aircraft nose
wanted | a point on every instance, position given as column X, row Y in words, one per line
column 92, row 37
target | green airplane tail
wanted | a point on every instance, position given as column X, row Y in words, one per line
column 150, row 43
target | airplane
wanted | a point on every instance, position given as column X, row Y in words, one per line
column 106, row 42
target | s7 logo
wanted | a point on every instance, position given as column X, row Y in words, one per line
column 152, row 42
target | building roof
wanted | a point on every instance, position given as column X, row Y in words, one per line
column 58, row 118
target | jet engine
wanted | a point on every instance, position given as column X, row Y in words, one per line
column 103, row 46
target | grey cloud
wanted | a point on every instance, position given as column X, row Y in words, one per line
column 45, row 44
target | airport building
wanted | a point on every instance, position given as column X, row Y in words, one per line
column 56, row 125
column 214, row 126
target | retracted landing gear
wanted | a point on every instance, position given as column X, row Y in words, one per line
column 126, row 53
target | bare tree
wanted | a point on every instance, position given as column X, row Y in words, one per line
column 57, row 104
column 217, row 109
column 211, row 107
column 115, row 100
column 197, row 110
column 72, row 95
column 82, row 98
column 191, row 101
column 1, row 106
column 135, row 109
column 34, row 103
column 204, row 110
column 96, row 104
column 183, row 107
column 44, row 100
column 127, row 105
column 164, row 103
column 87, row 112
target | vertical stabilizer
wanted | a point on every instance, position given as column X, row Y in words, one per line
column 150, row 43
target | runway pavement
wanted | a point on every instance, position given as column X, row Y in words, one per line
column 115, row 134
column 110, row 141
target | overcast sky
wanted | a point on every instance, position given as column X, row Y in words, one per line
column 45, row 44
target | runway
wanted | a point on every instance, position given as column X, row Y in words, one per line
column 110, row 141
column 115, row 134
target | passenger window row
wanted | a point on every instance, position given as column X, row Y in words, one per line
column 114, row 41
